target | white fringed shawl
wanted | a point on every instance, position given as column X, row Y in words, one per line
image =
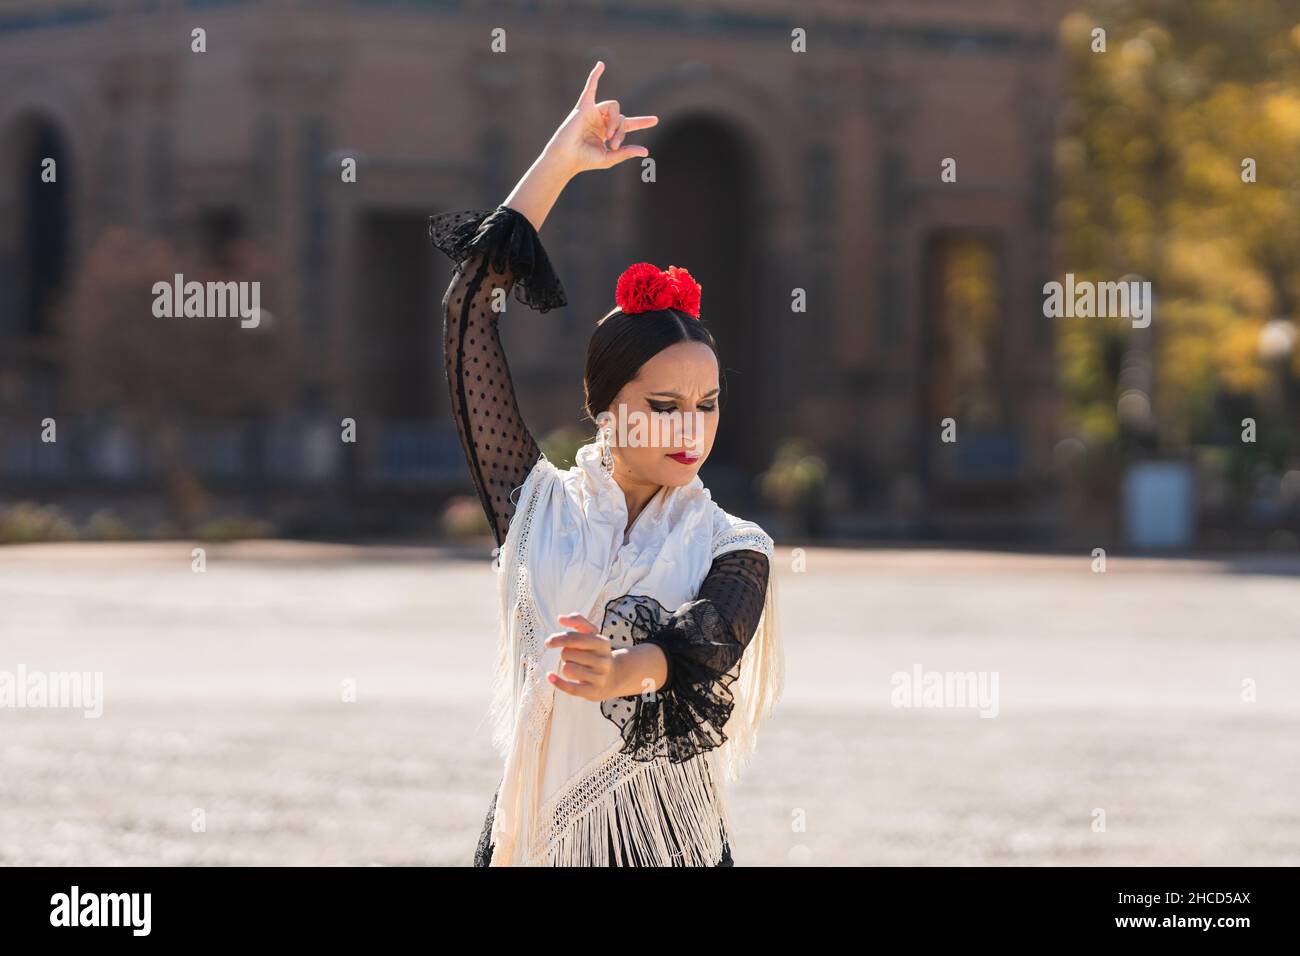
column 567, row 791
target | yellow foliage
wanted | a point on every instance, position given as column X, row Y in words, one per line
column 1151, row 176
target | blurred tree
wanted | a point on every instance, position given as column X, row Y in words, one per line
column 1151, row 174
column 171, row 377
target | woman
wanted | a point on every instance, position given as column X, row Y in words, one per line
column 617, row 729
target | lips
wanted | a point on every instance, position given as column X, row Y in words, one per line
column 685, row 458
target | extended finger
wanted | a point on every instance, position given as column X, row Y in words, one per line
column 633, row 123
column 586, row 658
column 576, row 622
column 588, row 96
column 585, row 642
column 571, row 670
column 614, row 157
column 572, row 688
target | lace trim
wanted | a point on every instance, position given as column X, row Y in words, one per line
column 530, row 621
column 510, row 688
column 686, row 716
column 744, row 541
column 519, row 693
column 591, row 784
column 628, row 621
column 511, row 245
column 583, row 830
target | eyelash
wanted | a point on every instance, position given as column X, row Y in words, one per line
column 704, row 408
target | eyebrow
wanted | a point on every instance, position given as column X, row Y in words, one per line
column 713, row 391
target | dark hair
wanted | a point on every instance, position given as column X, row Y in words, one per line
column 622, row 343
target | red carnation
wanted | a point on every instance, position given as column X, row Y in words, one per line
column 644, row 287
column 688, row 291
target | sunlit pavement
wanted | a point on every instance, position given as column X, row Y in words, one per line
column 1121, row 735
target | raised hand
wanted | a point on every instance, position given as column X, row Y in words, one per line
column 591, row 137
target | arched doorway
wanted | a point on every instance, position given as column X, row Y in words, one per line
column 41, row 246
column 36, row 253
column 972, row 466
column 700, row 214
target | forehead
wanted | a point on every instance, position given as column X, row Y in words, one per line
column 684, row 367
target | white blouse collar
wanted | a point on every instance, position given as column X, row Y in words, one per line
column 604, row 492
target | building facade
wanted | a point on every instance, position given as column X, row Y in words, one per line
column 870, row 218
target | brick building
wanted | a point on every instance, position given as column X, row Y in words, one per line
column 776, row 171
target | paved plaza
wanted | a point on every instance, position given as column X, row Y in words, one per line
column 1123, row 731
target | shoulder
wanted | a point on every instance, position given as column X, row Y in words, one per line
column 542, row 482
column 733, row 533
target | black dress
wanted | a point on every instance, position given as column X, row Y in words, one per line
column 705, row 638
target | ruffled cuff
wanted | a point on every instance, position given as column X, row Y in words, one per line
column 512, row 247
column 685, row 717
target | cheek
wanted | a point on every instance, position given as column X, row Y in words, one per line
column 647, row 462
column 709, row 430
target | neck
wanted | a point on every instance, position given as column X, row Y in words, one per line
column 636, row 493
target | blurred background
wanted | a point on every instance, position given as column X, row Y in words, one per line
column 1106, row 140
column 777, row 171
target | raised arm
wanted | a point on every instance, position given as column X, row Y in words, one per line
column 497, row 250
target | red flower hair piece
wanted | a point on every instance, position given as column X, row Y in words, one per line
column 644, row 287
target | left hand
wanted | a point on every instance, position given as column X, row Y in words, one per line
column 586, row 666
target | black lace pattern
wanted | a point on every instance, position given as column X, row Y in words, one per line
column 703, row 641
column 512, row 248
column 493, row 249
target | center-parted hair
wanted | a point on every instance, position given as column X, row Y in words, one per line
column 622, row 343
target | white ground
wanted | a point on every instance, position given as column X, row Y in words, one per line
column 1118, row 692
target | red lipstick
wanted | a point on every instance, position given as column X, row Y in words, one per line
column 686, row 458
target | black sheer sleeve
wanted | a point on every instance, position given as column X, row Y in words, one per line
column 703, row 641
column 494, row 249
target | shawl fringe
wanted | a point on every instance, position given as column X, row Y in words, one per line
column 630, row 822
column 757, row 690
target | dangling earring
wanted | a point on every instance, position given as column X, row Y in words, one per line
column 606, row 452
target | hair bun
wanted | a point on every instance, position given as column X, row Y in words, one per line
column 644, row 287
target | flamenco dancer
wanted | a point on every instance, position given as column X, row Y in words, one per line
column 619, row 729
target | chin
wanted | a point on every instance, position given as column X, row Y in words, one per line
column 680, row 476
column 675, row 475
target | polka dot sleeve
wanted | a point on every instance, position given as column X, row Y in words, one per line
column 497, row 252
column 703, row 641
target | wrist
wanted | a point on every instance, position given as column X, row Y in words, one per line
column 558, row 162
column 638, row 670
column 537, row 191
column 559, row 156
